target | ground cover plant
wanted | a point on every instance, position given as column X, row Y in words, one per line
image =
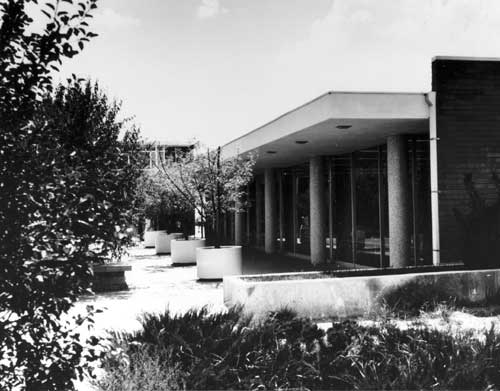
column 225, row 351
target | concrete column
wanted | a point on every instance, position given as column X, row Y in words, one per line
column 258, row 212
column 399, row 202
column 318, row 210
column 239, row 225
column 270, row 210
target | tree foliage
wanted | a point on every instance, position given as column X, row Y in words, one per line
column 211, row 185
column 102, row 162
column 66, row 183
column 161, row 204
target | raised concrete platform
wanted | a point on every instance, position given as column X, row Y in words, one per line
column 321, row 295
column 110, row 277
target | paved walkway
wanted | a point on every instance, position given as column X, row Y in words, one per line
column 155, row 285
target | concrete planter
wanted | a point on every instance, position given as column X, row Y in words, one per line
column 110, row 277
column 184, row 251
column 318, row 295
column 215, row 263
column 162, row 242
column 150, row 238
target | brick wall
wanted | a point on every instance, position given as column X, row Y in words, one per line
column 468, row 128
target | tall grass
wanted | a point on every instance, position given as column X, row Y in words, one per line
column 138, row 369
column 224, row 351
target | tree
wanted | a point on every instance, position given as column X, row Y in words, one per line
column 57, row 194
column 101, row 156
column 163, row 206
column 211, row 185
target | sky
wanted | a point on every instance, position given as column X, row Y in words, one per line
column 213, row 70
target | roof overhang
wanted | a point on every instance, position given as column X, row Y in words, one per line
column 372, row 118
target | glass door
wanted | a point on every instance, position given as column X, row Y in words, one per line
column 303, row 245
column 341, row 209
column 367, row 236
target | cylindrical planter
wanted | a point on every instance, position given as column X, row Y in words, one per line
column 184, row 251
column 214, row 263
column 162, row 243
column 150, row 238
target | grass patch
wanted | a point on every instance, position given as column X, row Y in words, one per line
column 130, row 368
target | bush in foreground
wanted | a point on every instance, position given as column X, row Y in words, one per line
column 67, row 184
column 224, row 351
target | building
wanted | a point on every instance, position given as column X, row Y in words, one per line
column 156, row 152
column 375, row 178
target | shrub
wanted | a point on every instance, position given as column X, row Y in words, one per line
column 224, row 351
column 411, row 298
column 97, row 156
column 415, row 296
column 62, row 183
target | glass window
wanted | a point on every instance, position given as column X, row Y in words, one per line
column 421, row 190
column 251, row 214
column 341, row 208
column 260, row 212
column 367, row 233
column 287, row 182
column 303, row 245
column 384, row 203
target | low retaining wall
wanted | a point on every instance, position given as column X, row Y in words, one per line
column 318, row 295
column 110, row 278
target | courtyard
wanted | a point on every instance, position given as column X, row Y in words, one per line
column 311, row 205
column 155, row 285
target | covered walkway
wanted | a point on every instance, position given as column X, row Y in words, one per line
column 346, row 177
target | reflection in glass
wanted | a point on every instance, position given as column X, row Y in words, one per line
column 367, row 208
column 356, row 194
column 287, row 182
column 260, row 212
column 422, row 201
column 303, row 228
column 341, row 210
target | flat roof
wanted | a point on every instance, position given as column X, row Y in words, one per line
column 370, row 116
column 464, row 58
column 173, row 144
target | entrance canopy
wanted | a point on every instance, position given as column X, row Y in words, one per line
column 334, row 123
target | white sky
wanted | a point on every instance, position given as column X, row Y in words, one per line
column 216, row 69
